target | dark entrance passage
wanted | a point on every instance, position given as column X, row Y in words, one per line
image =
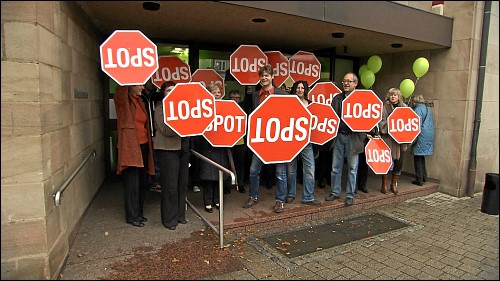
column 304, row 241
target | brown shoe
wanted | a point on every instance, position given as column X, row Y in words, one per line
column 250, row 203
column 289, row 199
column 278, row 207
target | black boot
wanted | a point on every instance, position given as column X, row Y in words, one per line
column 419, row 171
column 418, row 182
column 240, row 188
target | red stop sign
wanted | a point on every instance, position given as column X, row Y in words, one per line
column 129, row 57
column 280, row 67
column 305, row 66
column 277, row 136
column 323, row 92
column 361, row 110
column 207, row 77
column 229, row 125
column 188, row 109
column 403, row 125
column 324, row 124
column 378, row 156
column 244, row 64
column 172, row 69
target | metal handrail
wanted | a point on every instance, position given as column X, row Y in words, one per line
column 222, row 169
column 57, row 196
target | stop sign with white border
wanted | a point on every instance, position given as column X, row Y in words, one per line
column 207, row 77
column 305, row 66
column 323, row 92
column 171, row 68
column 378, row 156
column 279, row 128
column 129, row 57
column 325, row 122
column 403, row 125
column 244, row 64
column 229, row 125
column 280, row 67
column 189, row 109
column 362, row 110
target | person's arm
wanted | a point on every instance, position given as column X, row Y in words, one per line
column 121, row 96
column 383, row 123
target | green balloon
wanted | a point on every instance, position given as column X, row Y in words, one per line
column 374, row 63
column 362, row 69
column 407, row 87
column 368, row 78
column 420, row 67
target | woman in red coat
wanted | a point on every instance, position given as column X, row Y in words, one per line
column 135, row 152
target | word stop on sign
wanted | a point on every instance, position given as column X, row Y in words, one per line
column 274, row 130
column 124, row 58
column 183, row 111
column 227, row 123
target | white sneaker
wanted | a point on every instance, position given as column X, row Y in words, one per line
column 196, row 189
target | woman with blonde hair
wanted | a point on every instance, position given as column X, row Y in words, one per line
column 393, row 99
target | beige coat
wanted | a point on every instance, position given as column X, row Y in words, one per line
column 166, row 138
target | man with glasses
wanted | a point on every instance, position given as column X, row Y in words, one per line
column 347, row 144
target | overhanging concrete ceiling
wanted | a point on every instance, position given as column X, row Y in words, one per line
column 369, row 27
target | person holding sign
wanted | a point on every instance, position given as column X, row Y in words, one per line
column 393, row 99
column 135, row 150
column 209, row 174
column 347, row 144
column 239, row 150
column 173, row 159
column 300, row 88
column 266, row 75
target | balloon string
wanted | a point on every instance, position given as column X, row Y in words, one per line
column 416, row 81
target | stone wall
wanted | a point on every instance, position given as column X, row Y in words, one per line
column 52, row 117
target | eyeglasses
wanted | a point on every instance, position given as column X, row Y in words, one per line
column 347, row 81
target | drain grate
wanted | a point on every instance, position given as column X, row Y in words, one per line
column 304, row 241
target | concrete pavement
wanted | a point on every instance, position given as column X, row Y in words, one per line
column 447, row 238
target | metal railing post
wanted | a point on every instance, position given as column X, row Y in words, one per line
column 222, row 170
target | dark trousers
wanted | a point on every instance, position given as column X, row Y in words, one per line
column 324, row 167
column 239, row 152
column 397, row 165
column 362, row 175
column 420, row 170
column 268, row 175
column 194, row 171
column 174, row 173
column 155, row 179
column 210, row 192
column 135, row 182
